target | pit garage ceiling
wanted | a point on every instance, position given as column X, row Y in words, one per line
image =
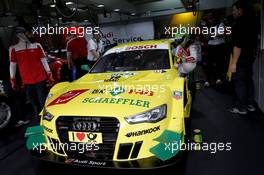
column 86, row 8
column 140, row 6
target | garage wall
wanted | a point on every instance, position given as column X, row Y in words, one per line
column 209, row 4
column 259, row 79
column 124, row 32
column 5, row 35
column 259, row 68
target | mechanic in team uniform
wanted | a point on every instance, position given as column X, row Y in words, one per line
column 76, row 55
column 244, row 38
column 95, row 49
column 34, row 70
column 186, row 53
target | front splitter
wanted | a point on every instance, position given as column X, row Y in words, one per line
column 146, row 163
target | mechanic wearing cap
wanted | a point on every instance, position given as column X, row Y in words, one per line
column 76, row 55
column 244, row 39
column 33, row 68
column 95, row 49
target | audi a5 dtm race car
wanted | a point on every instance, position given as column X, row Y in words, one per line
column 129, row 111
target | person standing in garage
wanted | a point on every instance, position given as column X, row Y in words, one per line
column 216, row 52
column 244, row 39
column 33, row 68
column 95, row 49
column 76, row 55
column 14, row 97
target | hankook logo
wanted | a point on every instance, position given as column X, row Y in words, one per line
column 143, row 132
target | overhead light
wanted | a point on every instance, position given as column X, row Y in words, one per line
column 116, row 10
column 10, row 26
column 52, row 5
column 133, row 14
column 39, row 16
column 86, row 20
column 60, row 18
column 69, row 3
column 9, row 14
column 100, row 5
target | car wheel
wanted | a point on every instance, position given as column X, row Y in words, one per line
column 5, row 113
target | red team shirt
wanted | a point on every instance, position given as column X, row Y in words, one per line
column 77, row 47
column 28, row 59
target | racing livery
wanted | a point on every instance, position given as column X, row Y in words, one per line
column 130, row 110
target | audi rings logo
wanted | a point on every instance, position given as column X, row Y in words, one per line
column 84, row 126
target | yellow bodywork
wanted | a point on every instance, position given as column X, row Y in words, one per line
column 85, row 104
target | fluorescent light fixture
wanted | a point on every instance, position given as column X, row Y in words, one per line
column 52, row 5
column 100, row 5
column 133, row 14
column 116, row 10
column 69, row 3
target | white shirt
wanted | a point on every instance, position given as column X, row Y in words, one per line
column 93, row 45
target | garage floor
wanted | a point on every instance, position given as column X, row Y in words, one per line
column 209, row 114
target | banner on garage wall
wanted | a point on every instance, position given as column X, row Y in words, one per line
column 124, row 33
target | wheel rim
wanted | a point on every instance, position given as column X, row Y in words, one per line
column 5, row 114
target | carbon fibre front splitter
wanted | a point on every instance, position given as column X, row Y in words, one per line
column 147, row 163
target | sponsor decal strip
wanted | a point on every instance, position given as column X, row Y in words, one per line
column 48, row 129
column 86, row 162
column 68, row 96
column 141, row 92
column 121, row 90
column 137, row 47
column 143, row 132
column 113, row 79
column 131, row 102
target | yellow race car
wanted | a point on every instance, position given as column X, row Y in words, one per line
column 129, row 111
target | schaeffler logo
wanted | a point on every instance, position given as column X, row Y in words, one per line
column 143, row 132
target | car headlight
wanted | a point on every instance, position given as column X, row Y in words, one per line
column 47, row 116
column 152, row 116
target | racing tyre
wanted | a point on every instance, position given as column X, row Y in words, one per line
column 5, row 112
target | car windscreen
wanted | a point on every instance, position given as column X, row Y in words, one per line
column 138, row 60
